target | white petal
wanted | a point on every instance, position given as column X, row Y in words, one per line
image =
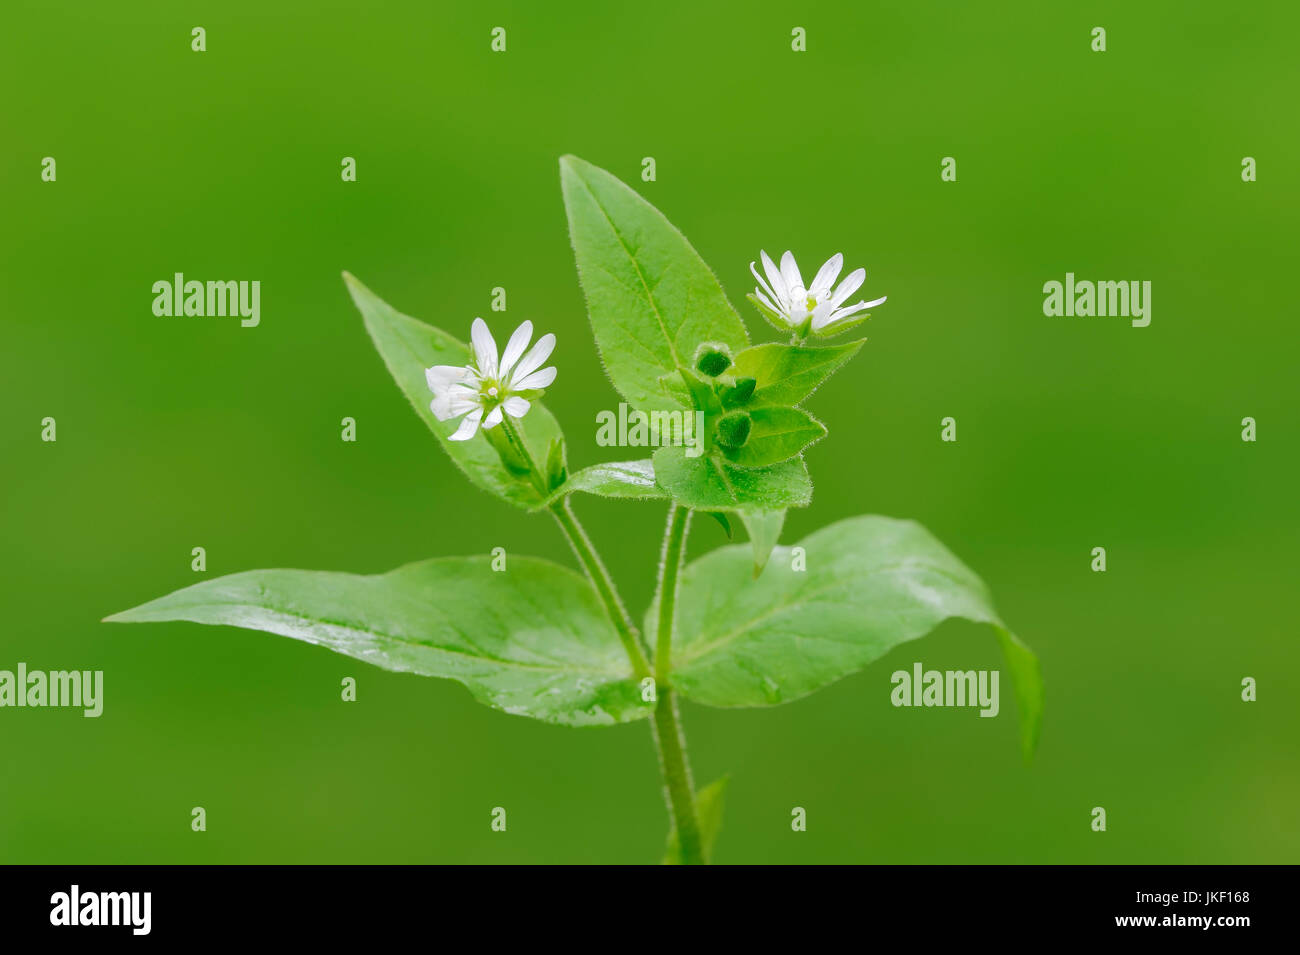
column 469, row 427
column 769, row 303
column 533, row 360
column 441, row 377
column 515, row 347
column 515, row 406
column 851, row 284
column 453, row 402
column 790, row 273
column 763, row 286
column 826, row 275
column 538, row 379
column 774, row 276
column 835, row 317
column 493, row 419
column 485, row 348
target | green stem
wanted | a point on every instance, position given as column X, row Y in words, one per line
column 592, row 565
column 670, row 566
column 669, row 738
column 605, row 589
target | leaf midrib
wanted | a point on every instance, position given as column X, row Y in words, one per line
column 408, row 642
column 654, row 306
column 692, row 654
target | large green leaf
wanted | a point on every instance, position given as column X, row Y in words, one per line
column 707, row 483
column 634, row 479
column 531, row 640
column 870, row 584
column 650, row 297
column 787, row 374
column 409, row 346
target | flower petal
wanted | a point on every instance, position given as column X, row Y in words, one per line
column 774, row 276
column 790, row 272
column 538, row 379
column 532, row 361
column 852, row 282
column 515, row 347
column 454, row 401
column 485, row 348
column 763, row 285
column 493, row 418
column 515, row 406
column 441, row 377
column 468, row 427
column 827, row 275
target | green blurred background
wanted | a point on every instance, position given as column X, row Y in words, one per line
column 1073, row 433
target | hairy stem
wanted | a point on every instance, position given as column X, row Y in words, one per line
column 605, row 589
column 591, row 563
column 669, row 738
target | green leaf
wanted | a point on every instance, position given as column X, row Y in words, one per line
column 707, row 483
column 871, row 583
column 709, row 803
column 776, row 434
column 532, row 640
column 651, row 299
column 764, row 529
column 635, row 479
column 408, row 347
column 787, row 374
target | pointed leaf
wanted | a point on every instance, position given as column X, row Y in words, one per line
column 408, row 347
column 532, row 640
column 634, row 479
column 650, row 297
column 787, row 374
column 871, row 583
column 776, row 434
column 764, row 529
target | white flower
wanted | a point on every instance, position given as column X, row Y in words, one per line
column 819, row 307
column 485, row 390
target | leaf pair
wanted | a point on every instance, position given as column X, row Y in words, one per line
column 534, row 641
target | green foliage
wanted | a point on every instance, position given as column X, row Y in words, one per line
column 709, row 803
column 871, row 583
column 651, row 299
column 709, row 483
column 408, row 347
column 532, row 641
column 776, row 434
column 634, row 479
column 787, row 374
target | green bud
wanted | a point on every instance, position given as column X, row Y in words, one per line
column 733, row 429
column 712, row 359
column 739, row 393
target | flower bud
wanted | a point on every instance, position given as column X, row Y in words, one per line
column 733, row 429
column 712, row 359
column 739, row 393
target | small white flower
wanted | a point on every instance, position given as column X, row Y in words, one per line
column 818, row 307
column 485, row 390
